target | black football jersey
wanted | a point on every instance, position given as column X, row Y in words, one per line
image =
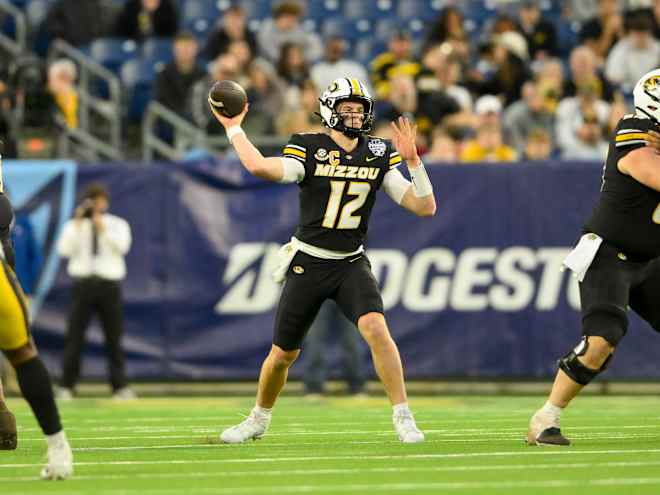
column 339, row 188
column 628, row 212
column 6, row 224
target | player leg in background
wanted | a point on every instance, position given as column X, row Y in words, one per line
column 8, row 436
column 37, row 389
column 314, row 362
column 353, row 356
column 80, row 314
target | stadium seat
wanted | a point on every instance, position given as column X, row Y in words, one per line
column 477, row 12
column 113, row 52
column 418, row 9
column 321, row 10
column 199, row 9
column 138, row 78
column 157, row 50
column 384, row 28
column 200, row 29
column 338, row 26
column 257, row 9
column 362, row 50
column 367, row 9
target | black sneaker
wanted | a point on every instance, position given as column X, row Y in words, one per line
column 552, row 436
column 8, row 437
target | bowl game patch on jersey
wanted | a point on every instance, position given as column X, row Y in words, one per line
column 377, row 146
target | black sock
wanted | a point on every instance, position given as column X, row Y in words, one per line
column 34, row 380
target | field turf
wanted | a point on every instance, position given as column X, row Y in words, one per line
column 343, row 446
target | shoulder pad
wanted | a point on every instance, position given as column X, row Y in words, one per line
column 631, row 130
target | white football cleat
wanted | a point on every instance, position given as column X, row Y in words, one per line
column 60, row 462
column 124, row 393
column 544, row 430
column 254, row 427
column 405, row 426
column 64, row 394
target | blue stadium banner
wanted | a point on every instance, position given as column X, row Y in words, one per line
column 475, row 291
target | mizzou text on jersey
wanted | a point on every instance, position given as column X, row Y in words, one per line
column 339, row 188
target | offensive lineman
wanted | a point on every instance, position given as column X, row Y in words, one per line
column 617, row 260
column 338, row 174
column 18, row 346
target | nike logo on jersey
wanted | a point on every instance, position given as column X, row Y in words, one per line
column 346, row 172
column 371, row 158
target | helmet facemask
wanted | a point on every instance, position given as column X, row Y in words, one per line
column 346, row 120
column 340, row 91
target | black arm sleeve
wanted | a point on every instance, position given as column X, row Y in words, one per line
column 6, row 222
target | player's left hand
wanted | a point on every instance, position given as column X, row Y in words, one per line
column 653, row 140
column 404, row 139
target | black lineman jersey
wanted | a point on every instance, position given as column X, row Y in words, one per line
column 6, row 223
column 628, row 212
column 339, row 188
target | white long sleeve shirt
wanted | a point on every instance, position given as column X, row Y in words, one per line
column 76, row 243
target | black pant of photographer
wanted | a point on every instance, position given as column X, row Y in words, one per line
column 94, row 295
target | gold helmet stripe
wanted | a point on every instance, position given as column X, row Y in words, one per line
column 355, row 86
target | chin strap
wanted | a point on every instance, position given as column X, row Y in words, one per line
column 651, row 117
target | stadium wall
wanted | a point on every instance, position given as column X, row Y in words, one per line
column 475, row 292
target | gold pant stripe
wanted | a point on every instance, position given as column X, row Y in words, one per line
column 14, row 322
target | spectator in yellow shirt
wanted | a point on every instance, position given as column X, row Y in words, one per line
column 398, row 60
column 62, row 76
column 487, row 146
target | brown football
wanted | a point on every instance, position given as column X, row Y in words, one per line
column 228, row 97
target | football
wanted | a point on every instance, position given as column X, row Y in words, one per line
column 228, row 97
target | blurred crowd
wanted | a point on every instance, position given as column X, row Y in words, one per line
column 508, row 92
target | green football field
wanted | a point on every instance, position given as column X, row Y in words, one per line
column 343, row 446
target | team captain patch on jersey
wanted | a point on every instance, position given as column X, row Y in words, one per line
column 339, row 188
column 628, row 212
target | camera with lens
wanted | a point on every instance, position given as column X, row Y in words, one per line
column 87, row 208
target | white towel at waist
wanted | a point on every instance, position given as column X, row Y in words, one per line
column 289, row 250
column 580, row 258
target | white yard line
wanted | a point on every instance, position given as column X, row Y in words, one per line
column 523, row 452
column 345, row 471
column 215, row 435
column 386, row 488
column 449, row 431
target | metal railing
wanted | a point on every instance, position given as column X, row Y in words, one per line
column 13, row 46
column 185, row 136
column 93, row 109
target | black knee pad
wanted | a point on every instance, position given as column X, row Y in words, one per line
column 609, row 323
column 578, row 372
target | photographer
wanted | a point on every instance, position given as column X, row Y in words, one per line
column 95, row 243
